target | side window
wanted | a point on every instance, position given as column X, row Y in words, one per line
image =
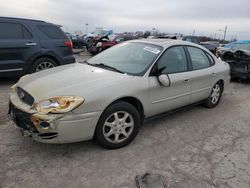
column 13, row 31
column 199, row 58
column 174, row 59
column 10, row 31
column 26, row 34
column 52, row 32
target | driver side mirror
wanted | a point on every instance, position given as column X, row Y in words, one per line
column 164, row 80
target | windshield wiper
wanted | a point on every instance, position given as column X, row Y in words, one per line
column 86, row 62
column 107, row 67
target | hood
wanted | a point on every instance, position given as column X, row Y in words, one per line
column 75, row 79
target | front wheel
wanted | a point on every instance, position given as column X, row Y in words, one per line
column 215, row 96
column 118, row 125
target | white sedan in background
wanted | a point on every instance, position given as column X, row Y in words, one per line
column 108, row 97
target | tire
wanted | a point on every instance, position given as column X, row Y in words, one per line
column 42, row 64
column 215, row 96
column 120, row 119
column 92, row 51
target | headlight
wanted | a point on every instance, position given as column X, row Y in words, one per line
column 58, row 105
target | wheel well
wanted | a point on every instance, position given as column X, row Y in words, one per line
column 47, row 56
column 40, row 57
column 222, row 84
column 134, row 102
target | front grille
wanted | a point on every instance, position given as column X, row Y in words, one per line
column 25, row 96
column 22, row 119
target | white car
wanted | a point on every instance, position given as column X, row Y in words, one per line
column 109, row 96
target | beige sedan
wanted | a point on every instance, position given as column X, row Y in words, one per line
column 108, row 97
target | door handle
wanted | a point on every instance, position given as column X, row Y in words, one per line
column 214, row 74
column 187, row 80
column 31, row 44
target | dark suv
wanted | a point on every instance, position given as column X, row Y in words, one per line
column 28, row 46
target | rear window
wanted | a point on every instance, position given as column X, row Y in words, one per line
column 212, row 62
column 52, row 32
column 13, row 31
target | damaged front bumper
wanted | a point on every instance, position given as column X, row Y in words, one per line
column 239, row 62
column 240, row 69
column 52, row 128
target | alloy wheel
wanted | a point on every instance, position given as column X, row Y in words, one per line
column 216, row 92
column 44, row 65
column 118, row 127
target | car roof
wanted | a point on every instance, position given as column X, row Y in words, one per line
column 21, row 19
column 27, row 20
column 167, row 42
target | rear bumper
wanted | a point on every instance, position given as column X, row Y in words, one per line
column 60, row 128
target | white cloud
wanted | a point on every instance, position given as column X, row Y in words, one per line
column 204, row 16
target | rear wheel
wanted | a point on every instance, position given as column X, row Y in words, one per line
column 43, row 64
column 215, row 96
column 117, row 126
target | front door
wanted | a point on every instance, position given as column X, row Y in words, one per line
column 178, row 94
column 16, row 45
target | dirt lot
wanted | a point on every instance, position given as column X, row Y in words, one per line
column 193, row 148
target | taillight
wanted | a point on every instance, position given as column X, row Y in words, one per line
column 68, row 43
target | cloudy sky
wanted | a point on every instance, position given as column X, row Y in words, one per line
column 206, row 17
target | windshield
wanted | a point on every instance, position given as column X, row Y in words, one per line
column 131, row 58
column 242, row 47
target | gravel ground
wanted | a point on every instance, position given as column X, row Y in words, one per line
column 192, row 148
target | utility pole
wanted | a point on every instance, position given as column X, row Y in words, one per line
column 225, row 32
column 193, row 32
column 153, row 31
column 86, row 24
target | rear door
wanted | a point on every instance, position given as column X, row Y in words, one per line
column 17, row 45
column 203, row 74
column 53, row 41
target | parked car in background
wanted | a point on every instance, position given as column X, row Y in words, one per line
column 115, row 91
column 99, row 44
column 238, row 57
column 99, row 31
column 194, row 39
column 230, row 46
column 78, row 41
column 211, row 47
column 28, row 46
